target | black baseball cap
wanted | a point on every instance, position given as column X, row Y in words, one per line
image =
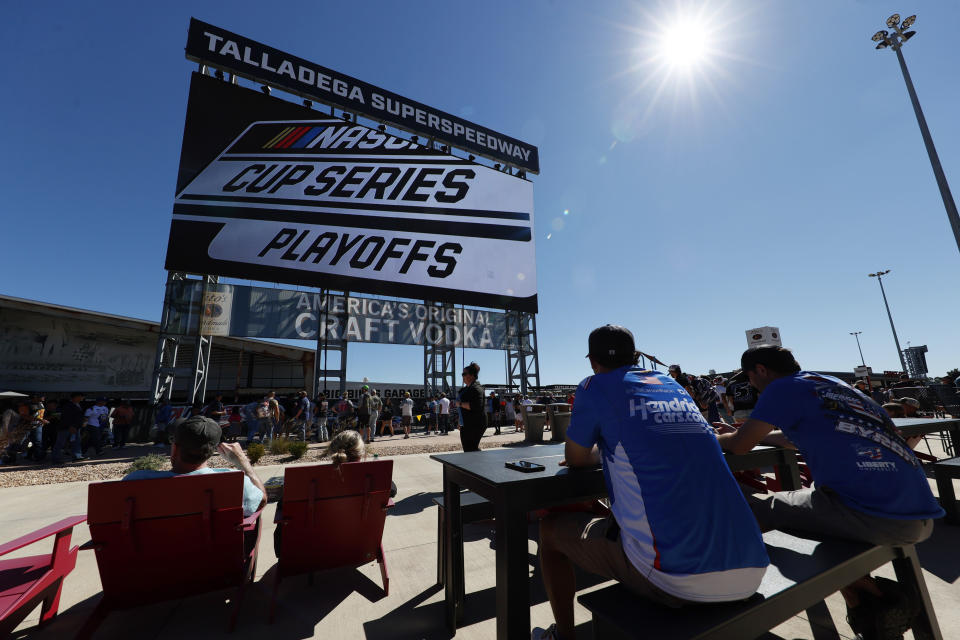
column 196, row 431
column 612, row 345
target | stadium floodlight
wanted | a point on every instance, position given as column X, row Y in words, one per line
column 895, row 41
column 382, row 128
column 265, row 89
column 471, row 157
column 879, row 276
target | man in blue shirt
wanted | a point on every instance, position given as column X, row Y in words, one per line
column 195, row 441
column 869, row 486
column 680, row 530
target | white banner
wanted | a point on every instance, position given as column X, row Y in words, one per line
column 328, row 198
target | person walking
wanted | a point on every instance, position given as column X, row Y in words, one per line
column 376, row 404
column 71, row 422
column 97, row 424
column 122, row 421
column 471, row 403
column 443, row 421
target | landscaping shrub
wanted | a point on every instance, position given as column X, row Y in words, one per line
column 278, row 446
column 154, row 462
column 297, row 449
column 256, row 451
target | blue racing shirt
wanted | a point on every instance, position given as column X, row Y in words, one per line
column 850, row 445
column 684, row 522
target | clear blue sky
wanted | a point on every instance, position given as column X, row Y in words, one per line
column 757, row 188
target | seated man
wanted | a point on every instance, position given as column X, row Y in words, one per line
column 195, row 440
column 868, row 484
column 681, row 530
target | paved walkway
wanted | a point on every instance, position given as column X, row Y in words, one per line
column 348, row 604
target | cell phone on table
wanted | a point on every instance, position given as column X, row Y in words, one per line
column 524, row 465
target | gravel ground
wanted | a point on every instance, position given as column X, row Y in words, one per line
column 113, row 465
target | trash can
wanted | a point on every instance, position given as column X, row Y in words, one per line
column 559, row 421
column 534, row 419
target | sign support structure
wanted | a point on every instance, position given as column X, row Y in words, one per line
column 439, row 360
column 322, row 372
column 165, row 368
column 523, row 362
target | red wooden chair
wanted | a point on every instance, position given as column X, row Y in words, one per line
column 169, row 538
column 28, row 581
column 332, row 517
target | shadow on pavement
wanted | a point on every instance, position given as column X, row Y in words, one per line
column 938, row 553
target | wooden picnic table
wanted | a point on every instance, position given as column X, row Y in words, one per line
column 910, row 427
column 514, row 494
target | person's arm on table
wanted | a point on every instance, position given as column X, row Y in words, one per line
column 752, row 433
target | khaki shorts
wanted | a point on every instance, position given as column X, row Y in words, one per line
column 820, row 510
column 583, row 538
column 406, row 420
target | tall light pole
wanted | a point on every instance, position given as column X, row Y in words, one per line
column 856, row 334
column 879, row 276
column 895, row 41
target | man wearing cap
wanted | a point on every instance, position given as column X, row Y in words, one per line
column 304, row 414
column 680, row 530
column 195, row 441
column 910, row 406
column 869, row 485
column 363, row 414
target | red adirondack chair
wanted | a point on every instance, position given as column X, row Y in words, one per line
column 169, row 538
column 332, row 517
column 28, row 581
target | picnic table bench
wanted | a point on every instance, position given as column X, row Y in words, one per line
column 945, row 471
column 802, row 573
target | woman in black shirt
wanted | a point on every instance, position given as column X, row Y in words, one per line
column 470, row 401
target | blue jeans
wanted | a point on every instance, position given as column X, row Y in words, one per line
column 37, row 452
column 64, row 436
column 253, row 428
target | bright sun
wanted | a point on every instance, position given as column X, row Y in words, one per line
column 684, row 44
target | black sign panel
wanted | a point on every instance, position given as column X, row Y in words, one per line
column 272, row 191
column 261, row 63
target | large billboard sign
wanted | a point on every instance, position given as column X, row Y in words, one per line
column 261, row 63
column 272, row 191
column 260, row 312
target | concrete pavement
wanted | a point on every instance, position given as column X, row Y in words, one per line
column 345, row 604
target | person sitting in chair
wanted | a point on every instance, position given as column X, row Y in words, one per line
column 195, row 440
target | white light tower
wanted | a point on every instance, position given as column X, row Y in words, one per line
column 895, row 41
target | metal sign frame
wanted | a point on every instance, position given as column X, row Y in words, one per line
column 211, row 45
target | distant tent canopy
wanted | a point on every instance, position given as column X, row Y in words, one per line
column 12, row 394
